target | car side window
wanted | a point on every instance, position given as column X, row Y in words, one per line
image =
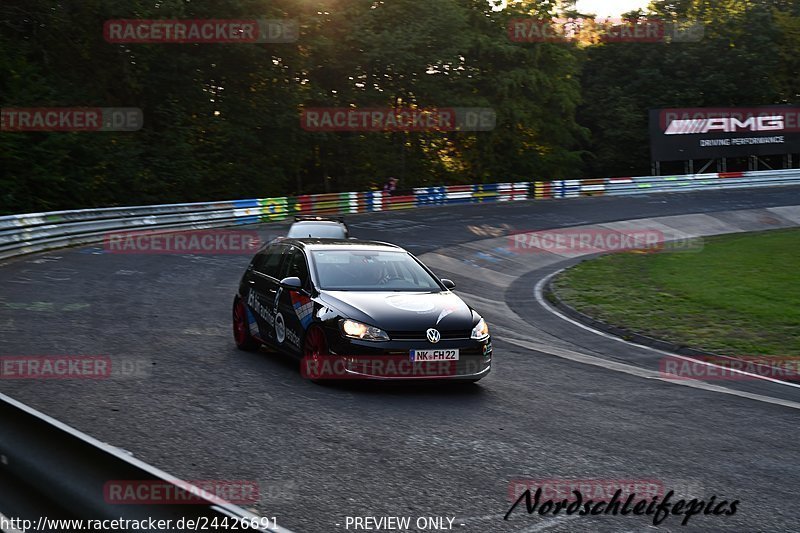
column 258, row 261
column 295, row 266
column 270, row 264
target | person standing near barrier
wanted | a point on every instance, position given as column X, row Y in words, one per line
column 390, row 186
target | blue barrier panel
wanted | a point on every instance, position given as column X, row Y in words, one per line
column 430, row 195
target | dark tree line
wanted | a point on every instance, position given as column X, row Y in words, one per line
column 222, row 120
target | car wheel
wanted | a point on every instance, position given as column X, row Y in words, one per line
column 315, row 344
column 241, row 329
column 315, row 347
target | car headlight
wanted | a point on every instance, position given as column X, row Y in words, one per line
column 480, row 331
column 357, row 330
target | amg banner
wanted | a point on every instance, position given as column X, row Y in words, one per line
column 710, row 133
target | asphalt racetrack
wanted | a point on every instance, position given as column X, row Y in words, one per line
column 560, row 404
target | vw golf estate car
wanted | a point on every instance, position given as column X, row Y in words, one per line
column 358, row 309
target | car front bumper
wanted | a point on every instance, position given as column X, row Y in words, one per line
column 391, row 360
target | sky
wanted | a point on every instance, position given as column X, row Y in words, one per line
column 612, row 8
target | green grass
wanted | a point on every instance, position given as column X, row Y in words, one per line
column 739, row 296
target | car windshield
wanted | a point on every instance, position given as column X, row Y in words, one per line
column 371, row 270
column 319, row 230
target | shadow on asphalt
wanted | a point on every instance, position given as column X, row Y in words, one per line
column 405, row 388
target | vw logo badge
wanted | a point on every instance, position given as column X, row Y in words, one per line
column 433, row 335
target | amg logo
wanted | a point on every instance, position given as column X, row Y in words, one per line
column 724, row 125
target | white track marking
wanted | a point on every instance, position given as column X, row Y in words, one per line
column 547, row 307
column 635, row 370
column 644, row 373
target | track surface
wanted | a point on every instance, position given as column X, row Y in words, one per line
column 200, row 409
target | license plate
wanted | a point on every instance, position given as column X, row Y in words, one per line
column 434, row 355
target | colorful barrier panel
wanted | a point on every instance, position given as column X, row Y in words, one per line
column 543, row 190
column 34, row 232
column 594, row 187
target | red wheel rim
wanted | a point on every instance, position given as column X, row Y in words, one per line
column 239, row 323
column 315, row 343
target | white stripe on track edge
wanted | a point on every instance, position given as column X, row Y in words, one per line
column 548, row 307
column 639, row 371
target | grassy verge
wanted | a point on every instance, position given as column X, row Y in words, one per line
column 740, row 295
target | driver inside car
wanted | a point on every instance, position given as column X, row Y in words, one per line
column 369, row 272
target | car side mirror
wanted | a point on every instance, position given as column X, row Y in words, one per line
column 292, row 283
column 448, row 283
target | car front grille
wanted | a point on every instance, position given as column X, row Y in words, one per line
column 419, row 336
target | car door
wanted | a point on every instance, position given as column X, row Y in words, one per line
column 294, row 307
column 264, row 289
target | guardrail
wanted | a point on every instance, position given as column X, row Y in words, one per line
column 73, row 469
column 35, row 232
column 653, row 184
